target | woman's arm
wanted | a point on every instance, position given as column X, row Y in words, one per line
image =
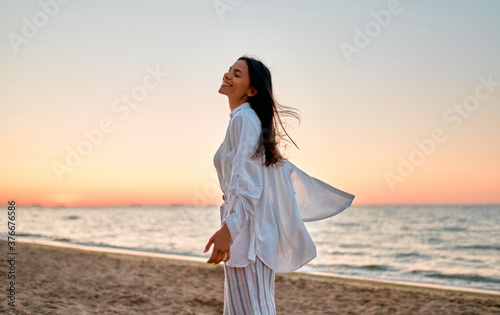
column 245, row 184
column 246, row 179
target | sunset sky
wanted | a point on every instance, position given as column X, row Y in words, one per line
column 116, row 103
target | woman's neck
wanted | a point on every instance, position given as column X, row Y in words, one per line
column 234, row 104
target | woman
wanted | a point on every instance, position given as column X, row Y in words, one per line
column 266, row 197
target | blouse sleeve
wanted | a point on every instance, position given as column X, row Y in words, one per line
column 316, row 199
column 246, row 178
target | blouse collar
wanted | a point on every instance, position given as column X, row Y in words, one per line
column 240, row 107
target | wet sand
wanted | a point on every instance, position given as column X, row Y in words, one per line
column 55, row 280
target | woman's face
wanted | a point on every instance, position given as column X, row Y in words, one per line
column 236, row 83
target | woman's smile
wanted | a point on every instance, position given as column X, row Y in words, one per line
column 225, row 84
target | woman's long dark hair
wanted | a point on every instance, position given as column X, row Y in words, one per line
column 268, row 110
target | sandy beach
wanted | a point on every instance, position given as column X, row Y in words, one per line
column 54, row 280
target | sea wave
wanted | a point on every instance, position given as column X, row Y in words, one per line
column 463, row 277
column 412, row 255
column 477, row 247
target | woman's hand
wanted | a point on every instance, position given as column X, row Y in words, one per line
column 222, row 243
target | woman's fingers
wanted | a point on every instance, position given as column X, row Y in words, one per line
column 218, row 256
column 224, row 256
column 213, row 257
column 209, row 244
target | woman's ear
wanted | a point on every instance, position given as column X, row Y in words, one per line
column 252, row 92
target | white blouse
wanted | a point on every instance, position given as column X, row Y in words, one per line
column 265, row 207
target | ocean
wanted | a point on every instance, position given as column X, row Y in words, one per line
column 456, row 246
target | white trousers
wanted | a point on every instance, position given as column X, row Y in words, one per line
column 249, row 290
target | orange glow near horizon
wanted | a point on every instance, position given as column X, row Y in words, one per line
column 416, row 191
